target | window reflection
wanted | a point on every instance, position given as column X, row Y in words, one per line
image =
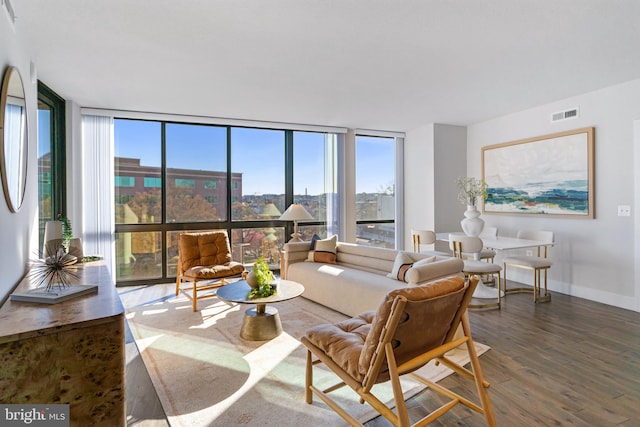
column 138, row 255
column 251, row 243
column 45, row 172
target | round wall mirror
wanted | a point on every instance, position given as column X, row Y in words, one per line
column 13, row 138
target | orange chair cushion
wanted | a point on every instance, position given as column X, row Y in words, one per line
column 442, row 296
column 215, row 271
column 203, row 249
column 343, row 341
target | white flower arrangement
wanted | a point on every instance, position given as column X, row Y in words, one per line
column 470, row 190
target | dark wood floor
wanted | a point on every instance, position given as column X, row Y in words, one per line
column 570, row 362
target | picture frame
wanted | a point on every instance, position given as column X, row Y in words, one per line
column 550, row 175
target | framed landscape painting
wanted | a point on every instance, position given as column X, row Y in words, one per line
column 547, row 175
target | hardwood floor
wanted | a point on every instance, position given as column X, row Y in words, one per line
column 143, row 406
column 570, row 362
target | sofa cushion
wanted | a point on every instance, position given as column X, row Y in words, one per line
column 325, row 250
column 344, row 289
column 403, row 263
column 424, row 261
column 440, row 267
column 368, row 258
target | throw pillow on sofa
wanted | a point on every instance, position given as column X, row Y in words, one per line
column 403, row 263
column 314, row 239
column 325, row 250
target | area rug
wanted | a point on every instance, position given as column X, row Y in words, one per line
column 205, row 374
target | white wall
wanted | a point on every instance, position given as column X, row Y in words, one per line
column 435, row 155
column 450, row 163
column 18, row 231
column 593, row 259
column 419, row 181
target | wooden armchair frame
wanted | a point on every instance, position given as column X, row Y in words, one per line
column 385, row 356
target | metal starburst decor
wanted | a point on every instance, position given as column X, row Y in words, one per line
column 55, row 270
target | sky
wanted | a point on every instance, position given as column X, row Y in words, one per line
column 257, row 153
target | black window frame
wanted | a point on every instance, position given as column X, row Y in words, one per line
column 228, row 224
column 58, row 153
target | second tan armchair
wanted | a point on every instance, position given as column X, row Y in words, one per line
column 204, row 262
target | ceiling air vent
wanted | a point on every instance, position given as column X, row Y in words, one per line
column 564, row 115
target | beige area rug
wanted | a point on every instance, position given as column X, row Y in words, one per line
column 206, row 375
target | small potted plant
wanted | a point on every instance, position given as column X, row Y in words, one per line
column 261, row 280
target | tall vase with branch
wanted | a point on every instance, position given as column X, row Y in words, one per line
column 470, row 190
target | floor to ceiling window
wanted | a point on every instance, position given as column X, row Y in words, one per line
column 138, row 199
column 196, row 159
column 176, row 177
column 375, row 191
column 51, row 158
column 315, row 181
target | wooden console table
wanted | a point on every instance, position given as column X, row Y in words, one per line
column 71, row 353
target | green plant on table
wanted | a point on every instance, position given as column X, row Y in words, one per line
column 264, row 278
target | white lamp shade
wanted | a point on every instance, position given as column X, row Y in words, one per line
column 52, row 231
column 296, row 212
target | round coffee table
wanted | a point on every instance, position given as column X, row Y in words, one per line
column 261, row 322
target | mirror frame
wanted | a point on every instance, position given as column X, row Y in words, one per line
column 10, row 74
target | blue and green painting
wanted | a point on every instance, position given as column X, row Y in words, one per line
column 541, row 197
column 549, row 176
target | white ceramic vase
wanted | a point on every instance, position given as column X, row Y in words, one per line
column 252, row 280
column 472, row 224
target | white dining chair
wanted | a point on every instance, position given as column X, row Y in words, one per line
column 425, row 238
column 488, row 254
column 464, row 246
column 538, row 264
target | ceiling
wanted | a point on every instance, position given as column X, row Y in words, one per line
column 372, row 64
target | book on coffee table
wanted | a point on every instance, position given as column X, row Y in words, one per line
column 54, row 295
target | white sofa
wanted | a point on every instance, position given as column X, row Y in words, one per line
column 358, row 281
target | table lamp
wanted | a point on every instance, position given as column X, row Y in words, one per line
column 52, row 233
column 295, row 213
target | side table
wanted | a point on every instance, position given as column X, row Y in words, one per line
column 260, row 322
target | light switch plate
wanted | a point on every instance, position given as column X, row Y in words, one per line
column 624, row 210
